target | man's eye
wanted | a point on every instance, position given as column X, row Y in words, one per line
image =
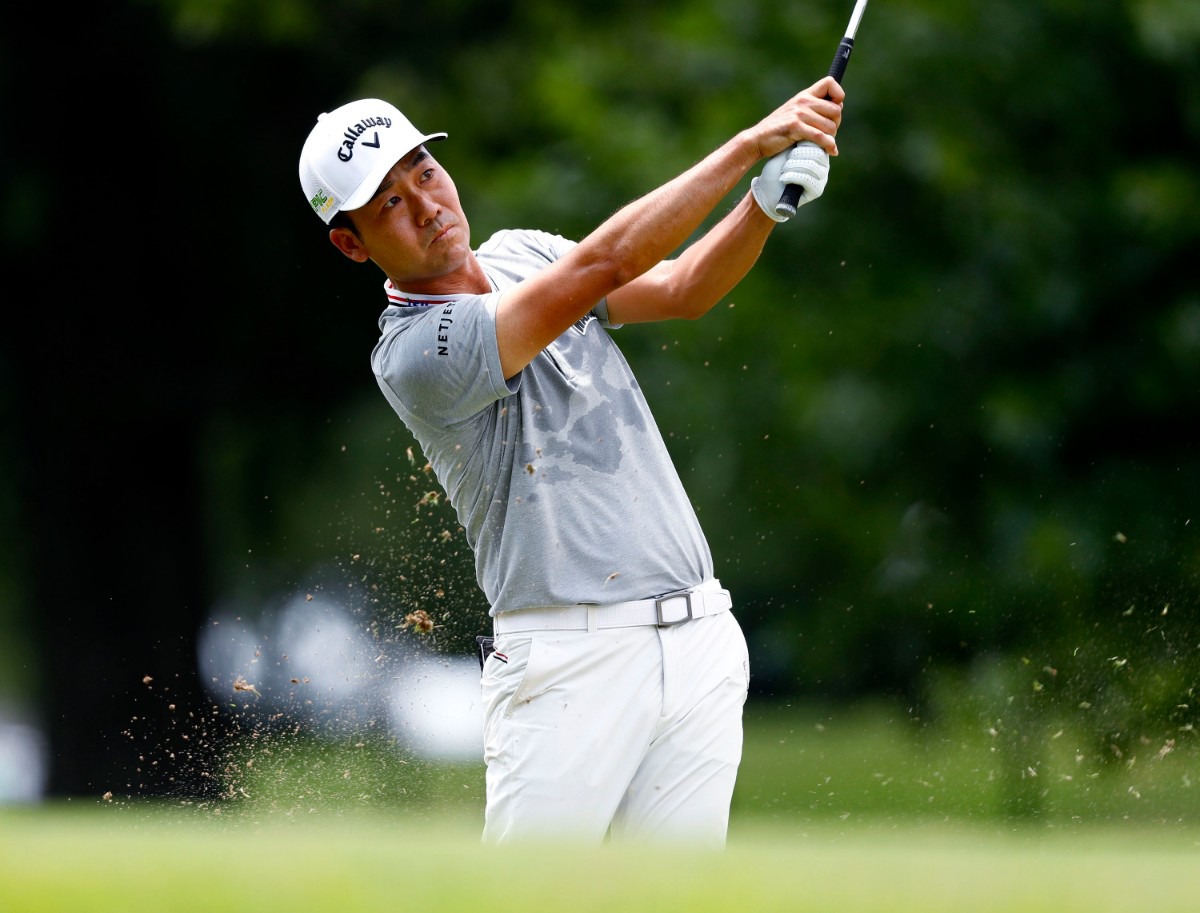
column 392, row 201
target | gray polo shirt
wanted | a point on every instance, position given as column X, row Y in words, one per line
column 559, row 476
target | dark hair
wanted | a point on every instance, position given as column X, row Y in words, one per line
column 341, row 219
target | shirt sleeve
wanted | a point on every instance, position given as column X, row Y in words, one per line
column 443, row 364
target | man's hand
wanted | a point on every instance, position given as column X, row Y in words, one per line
column 812, row 115
column 806, row 164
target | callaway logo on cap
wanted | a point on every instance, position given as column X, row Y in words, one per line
column 350, row 150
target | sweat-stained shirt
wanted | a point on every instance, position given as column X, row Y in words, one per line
column 559, row 475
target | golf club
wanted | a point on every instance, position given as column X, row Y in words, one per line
column 791, row 194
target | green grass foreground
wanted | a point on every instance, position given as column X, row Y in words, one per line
column 94, row 861
column 862, row 809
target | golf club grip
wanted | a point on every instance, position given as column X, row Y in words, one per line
column 791, row 193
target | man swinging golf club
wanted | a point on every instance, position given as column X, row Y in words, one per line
column 613, row 698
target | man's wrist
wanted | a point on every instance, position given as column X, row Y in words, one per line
column 759, row 191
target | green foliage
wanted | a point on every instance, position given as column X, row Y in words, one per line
column 946, row 416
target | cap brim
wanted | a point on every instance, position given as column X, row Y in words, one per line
column 370, row 184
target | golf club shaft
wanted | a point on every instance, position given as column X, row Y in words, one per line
column 791, row 194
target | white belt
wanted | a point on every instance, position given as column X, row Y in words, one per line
column 668, row 609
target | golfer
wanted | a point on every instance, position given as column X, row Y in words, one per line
column 613, row 698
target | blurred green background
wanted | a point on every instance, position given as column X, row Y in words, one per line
column 944, row 439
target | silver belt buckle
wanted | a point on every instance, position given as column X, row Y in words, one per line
column 673, row 608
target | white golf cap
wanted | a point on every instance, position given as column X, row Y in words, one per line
column 350, row 150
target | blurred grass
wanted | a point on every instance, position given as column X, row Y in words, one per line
column 157, row 858
column 847, row 809
column 801, row 763
column 876, row 761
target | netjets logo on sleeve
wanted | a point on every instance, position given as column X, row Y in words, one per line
column 445, row 323
column 354, row 133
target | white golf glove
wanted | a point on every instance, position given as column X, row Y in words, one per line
column 806, row 164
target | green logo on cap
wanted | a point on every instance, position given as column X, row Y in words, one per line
column 321, row 202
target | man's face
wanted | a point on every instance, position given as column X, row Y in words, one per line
column 414, row 227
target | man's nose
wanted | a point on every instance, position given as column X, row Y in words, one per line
column 425, row 208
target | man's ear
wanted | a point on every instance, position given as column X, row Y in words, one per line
column 349, row 244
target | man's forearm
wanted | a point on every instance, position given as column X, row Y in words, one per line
column 651, row 228
column 711, row 267
column 690, row 285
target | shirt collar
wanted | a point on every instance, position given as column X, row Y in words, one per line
column 399, row 298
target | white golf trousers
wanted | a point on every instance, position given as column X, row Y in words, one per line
column 624, row 733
